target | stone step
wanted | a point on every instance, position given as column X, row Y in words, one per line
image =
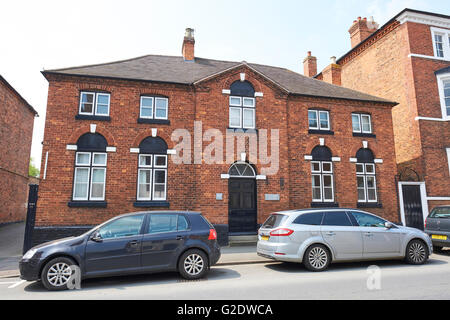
column 242, row 240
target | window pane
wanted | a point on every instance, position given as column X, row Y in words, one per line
column 146, row 112
column 162, row 223
column 182, row 223
column 337, row 218
column 366, row 126
column 83, row 159
column 87, row 102
column 370, row 168
column 366, row 220
column 147, row 102
column 249, row 118
column 311, row 219
column 235, row 101
column 316, row 187
column 161, row 108
column 324, row 123
column 161, row 161
column 326, row 167
column 356, row 123
column 312, row 118
column 361, row 188
column 235, row 117
column 439, row 45
column 249, row 102
column 102, row 104
column 315, row 166
column 122, row 227
column 370, row 182
column 371, row 195
column 327, row 193
column 98, row 183
column 145, row 160
column 160, row 192
column 81, row 183
column 99, row 159
column 144, row 182
column 160, row 176
column 359, row 168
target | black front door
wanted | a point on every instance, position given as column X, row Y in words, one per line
column 242, row 212
column 412, row 204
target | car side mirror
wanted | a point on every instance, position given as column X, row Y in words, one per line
column 388, row 225
column 96, row 237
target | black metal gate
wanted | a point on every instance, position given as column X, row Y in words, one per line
column 412, row 205
column 31, row 217
column 242, row 213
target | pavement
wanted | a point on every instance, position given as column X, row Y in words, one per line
column 11, row 243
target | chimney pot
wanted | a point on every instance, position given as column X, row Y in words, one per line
column 188, row 45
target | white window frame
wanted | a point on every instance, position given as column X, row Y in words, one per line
column 242, row 110
column 87, row 184
column 361, row 129
column 448, row 159
column 445, row 33
column 319, row 126
column 167, row 108
column 364, row 174
column 94, row 103
column 441, row 78
column 322, row 173
column 90, row 167
column 240, row 118
column 152, row 168
column 152, row 107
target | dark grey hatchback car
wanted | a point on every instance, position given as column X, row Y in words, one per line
column 141, row 242
column 437, row 226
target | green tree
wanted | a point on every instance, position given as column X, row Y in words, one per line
column 32, row 170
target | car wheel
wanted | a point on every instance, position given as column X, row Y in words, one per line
column 57, row 273
column 416, row 252
column 193, row 264
column 317, row 258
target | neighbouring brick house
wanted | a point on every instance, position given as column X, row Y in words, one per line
column 114, row 132
column 407, row 60
column 16, row 132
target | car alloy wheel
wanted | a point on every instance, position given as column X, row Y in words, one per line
column 59, row 274
column 194, row 264
column 318, row 257
column 417, row 252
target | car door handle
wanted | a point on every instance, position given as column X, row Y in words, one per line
column 368, row 234
column 179, row 237
column 133, row 243
column 330, row 233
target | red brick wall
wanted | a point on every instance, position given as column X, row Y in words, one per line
column 16, row 131
column 194, row 186
column 385, row 69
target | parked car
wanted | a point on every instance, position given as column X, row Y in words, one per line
column 318, row 237
column 141, row 242
column 437, row 225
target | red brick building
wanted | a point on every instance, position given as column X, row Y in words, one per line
column 16, row 132
column 188, row 133
column 408, row 60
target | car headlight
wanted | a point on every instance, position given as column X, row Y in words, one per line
column 29, row 254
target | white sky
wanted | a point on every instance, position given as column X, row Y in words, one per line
column 46, row 34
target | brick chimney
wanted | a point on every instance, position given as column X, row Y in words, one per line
column 361, row 29
column 188, row 45
column 310, row 65
column 332, row 73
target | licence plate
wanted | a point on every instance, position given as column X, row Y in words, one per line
column 438, row 237
column 265, row 238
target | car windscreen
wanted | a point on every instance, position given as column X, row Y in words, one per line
column 274, row 221
column 443, row 212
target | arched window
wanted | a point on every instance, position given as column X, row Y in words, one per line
column 365, row 176
column 242, row 105
column 241, row 170
column 90, row 168
column 322, row 175
column 152, row 170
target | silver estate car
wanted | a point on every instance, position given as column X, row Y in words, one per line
column 317, row 237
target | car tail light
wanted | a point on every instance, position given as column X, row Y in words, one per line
column 212, row 234
column 425, row 223
column 282, row 232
